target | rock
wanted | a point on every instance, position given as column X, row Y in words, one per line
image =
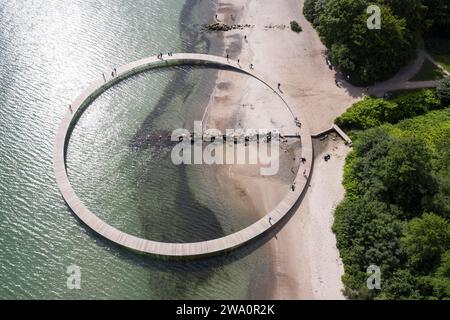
column 224, row 27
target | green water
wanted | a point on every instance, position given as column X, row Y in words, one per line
column 49, row 52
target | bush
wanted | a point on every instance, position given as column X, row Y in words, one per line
column 391, row 169
column 390, row 179
column 372, row 112
column 365, row 114
column 295, row 26
column 443, row 90
column 425, row 240
column 343, row 28
column 313, row 9
column 402, row 285
column 372, row 55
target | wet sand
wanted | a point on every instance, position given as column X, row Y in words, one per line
column 303, row 255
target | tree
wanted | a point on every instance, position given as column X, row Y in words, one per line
column 425, row 240
column 366, row 55
column 313, row 9
column 443, row 90
column 367, row 233
column 406, row 175
column 438, row 17
column 389, row 180
column 372, row 112
column 337, row 19
column 413, row 11
column 441, row 280
column 444, row 267
column 393, row 169
column 402, row 285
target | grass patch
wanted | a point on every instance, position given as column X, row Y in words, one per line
column 428, row 71
column 296, row 27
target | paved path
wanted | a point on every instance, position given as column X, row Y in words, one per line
column 162, row 248
column 401, row 81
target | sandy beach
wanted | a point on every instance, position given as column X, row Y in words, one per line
column 304, row 256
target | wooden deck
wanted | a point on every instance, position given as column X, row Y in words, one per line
column 161, row 248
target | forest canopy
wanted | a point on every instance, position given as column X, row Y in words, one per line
column 396, row 211
column 367, row 55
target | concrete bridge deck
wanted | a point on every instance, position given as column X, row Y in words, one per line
column 195, row 249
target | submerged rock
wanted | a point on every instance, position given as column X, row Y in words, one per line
column 224, row 27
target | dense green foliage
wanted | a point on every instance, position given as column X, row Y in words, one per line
column 396, row 210
column 295, row 26
column 313, row 9
column 425, row 240
column 372, row 112
column 443, row 90
column 437, row 18
column 371, row 55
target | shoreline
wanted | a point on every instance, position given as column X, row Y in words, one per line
column 303, row 256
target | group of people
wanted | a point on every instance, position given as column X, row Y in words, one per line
column 113, row 74
column 160, row 56
column 239, row 62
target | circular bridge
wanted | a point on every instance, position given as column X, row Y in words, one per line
column 194, row 249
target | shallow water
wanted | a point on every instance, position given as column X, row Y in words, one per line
column 49, row 52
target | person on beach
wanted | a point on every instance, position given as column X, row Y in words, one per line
column 104, row 78
column 279, row 86
column 251, row 66
column 112, row 73
column 70, row 108
column 245, row 38
column 270, row 220
column 228, row 57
